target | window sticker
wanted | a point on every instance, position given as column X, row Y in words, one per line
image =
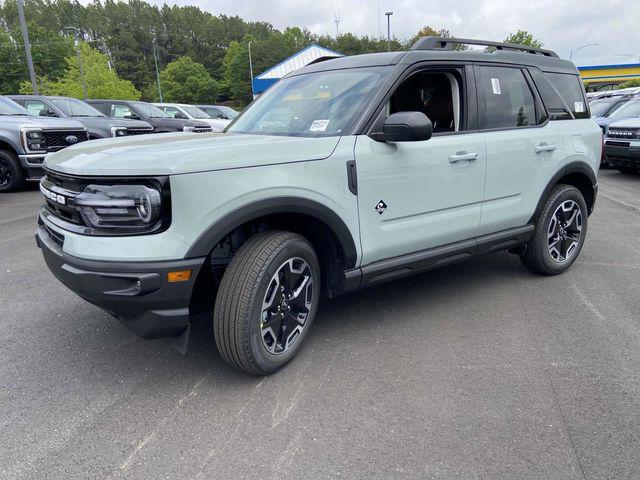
column 319, row 125
column 578, row 107
column 495, row 85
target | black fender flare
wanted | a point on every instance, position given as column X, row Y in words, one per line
column 582, row 168
column 216, row 232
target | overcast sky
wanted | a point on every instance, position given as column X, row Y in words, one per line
column 562, row 25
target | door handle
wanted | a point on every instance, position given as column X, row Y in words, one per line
column 545, row 147
column 462, row 156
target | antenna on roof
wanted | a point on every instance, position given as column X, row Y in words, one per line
column 336, row 19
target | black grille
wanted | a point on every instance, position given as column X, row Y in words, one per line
column 139, row 131
column 56, row 237
column 626, row 133
column 203, row 130
column 67, row 186
column 59, row 140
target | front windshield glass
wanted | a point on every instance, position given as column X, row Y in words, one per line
column 311, row 105
column 10, row 108
column 195, row 112
column 149, row 111
column 230, row 112
column 629, row 109
column 75, row 108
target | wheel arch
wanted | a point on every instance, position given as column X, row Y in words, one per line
column 5, row 144
column 576, row 174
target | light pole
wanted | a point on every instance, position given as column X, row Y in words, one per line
column 27, row 47
column 80, row 65
column 388, row 14
column 575, row 50
column 155, row 60
column 251, row 70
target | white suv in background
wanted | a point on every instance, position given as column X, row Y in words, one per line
column 184, row 111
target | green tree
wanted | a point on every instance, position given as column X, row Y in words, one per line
column 101, row 81
column 523, row 37
column 186, row 81
column 630, row 83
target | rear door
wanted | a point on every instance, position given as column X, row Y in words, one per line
column 524, row 149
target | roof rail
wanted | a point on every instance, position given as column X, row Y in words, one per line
column 447, row 43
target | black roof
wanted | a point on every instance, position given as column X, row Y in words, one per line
column 545, row 60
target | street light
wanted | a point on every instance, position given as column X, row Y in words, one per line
column 251, row 70
column 575, row 50
column 155, row 60
column 388, row 14
column 80, row 66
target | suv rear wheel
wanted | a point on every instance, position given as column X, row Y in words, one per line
column 11, row 174
column 561, row 227
column 266, row 302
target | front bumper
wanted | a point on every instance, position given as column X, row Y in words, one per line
column 137, row 293
column 32, row 164
column 618, row 156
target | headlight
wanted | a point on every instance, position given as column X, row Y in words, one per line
column 34, row 140
column 118, row 131
column 120, row 208
column 188, row 129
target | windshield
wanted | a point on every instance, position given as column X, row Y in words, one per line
column 149, row 111
column 311, row 105
column 75, row 108
column 629, row 109
column 9, row 107
column 194, row 112
column 230, row 112
column 605, row 106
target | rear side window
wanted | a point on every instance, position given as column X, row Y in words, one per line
column 562, row 94
column 508, row 100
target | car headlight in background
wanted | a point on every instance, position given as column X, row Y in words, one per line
column 34, row 140
column 120, row 208
column 188, row 129
column 118, row 131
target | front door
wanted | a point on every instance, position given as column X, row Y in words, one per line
column 413, row 196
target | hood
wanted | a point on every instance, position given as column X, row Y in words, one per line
column 176, row 153
column 629, row 122
column 39, row 122
column 127, row 122
column 178, row 122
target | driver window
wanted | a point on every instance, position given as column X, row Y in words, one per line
column 436, row 94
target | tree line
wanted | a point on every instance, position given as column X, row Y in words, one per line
column 202, row 57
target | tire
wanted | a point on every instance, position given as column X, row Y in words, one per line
column 555, row 245
column 253, row 329
column 11, row 174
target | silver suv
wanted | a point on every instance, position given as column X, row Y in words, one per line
column 347, row 173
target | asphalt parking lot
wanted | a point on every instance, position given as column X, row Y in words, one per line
column 482, row 370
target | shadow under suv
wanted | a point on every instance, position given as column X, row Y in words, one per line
column 98, row 125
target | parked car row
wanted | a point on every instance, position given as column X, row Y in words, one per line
column 32, row 126
column 618, row 115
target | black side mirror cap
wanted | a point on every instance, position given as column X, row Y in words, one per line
column 405, row 127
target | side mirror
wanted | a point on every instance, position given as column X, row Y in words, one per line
column 131, row 116
column 45, row 112
column 405, row 127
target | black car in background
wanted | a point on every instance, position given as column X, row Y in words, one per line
column 160, row 121
column 97, row 124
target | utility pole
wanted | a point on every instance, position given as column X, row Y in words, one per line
column 27, row 47
column 388, row 14
column 80, row 65
column 155, row 60
column 336, row 19
column 253, row 95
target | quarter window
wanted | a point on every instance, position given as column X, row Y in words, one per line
column 570, row 89
column 508, row 100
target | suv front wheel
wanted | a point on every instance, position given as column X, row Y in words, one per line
column 266, row 302
column 11, row 175
column 560, row 230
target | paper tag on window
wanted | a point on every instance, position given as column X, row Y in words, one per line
column 319, row 125
column 578, row 107
column 495, row 85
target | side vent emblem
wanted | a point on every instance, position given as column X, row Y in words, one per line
column 380, row 207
